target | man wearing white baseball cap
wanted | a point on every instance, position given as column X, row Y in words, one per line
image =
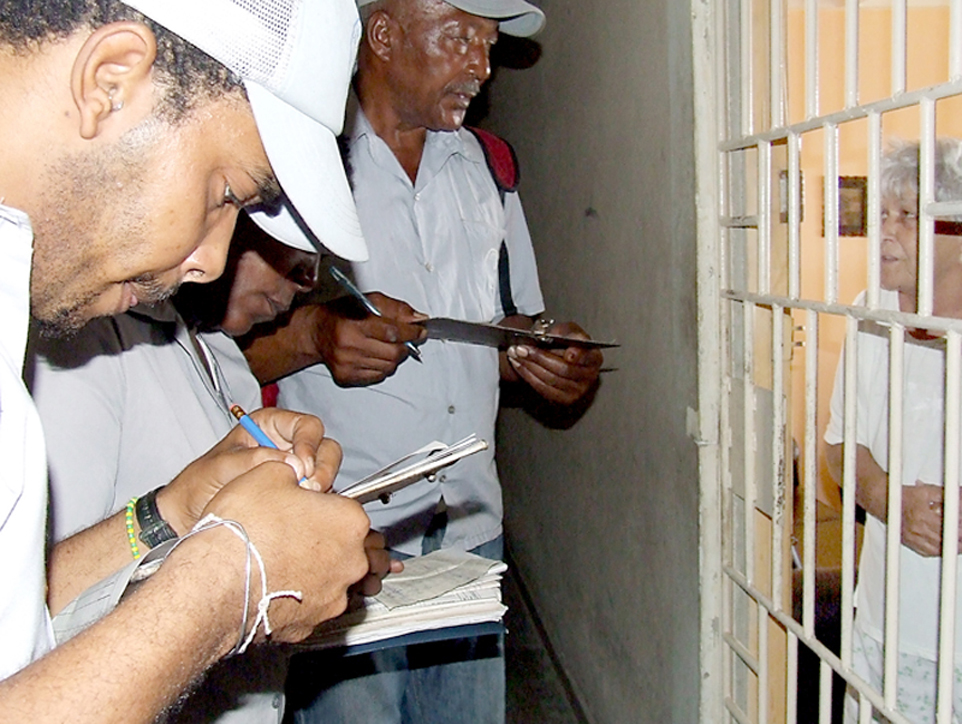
column 448, row 238
column 132, row 135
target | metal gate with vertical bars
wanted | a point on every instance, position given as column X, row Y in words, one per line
column 796, row 103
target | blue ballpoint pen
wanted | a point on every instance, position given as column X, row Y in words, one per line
column 368, row 305
column 260, row 437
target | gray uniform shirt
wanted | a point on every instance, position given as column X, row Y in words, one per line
column 435, row 244
column 125, row 406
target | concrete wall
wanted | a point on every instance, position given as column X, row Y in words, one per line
column 602, row 518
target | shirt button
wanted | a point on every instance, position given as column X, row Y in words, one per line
column 443, row 477
column 429, row 266
column 417, row 196
column 450, row 409
column 277, row 701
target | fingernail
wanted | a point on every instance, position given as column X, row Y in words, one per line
column 522, row 352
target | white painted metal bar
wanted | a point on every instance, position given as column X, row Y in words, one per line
column 941, row 209
column 749, row 437
column 811, row 472
column 811, row 58
column 737, row 714
column 926, row 197
column 906, row 319
column 831, row 213
column 781, row 493
column 763, row 665
column 791, row 680
column 824, row 693
column 955, row 39
column 899, row 46
column 849, row 482
column 747, row 88
column 851, row 53
column 722, row 649
column 794, row 222
column 874, row 209
column 908, row 99
column 950, row 527
column 742, row 652
column 740, row 222
column 864, row 711
column 723, row 233
column 776, row 68
column 764, row 212
column 893, row 540
column 711, row 519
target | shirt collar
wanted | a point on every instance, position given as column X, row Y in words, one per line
column 438, row 147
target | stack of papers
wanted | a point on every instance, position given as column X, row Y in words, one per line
column 443, row 589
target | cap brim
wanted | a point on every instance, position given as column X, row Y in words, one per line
column 516, row 17
column 319, row 208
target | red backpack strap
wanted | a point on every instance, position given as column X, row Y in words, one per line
column 501, row 159
column 269, row 395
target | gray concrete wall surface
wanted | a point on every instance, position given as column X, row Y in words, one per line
column 602, row 518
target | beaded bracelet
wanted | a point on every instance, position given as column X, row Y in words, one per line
column 131, row 536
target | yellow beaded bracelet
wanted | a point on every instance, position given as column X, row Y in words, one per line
column 131, row 536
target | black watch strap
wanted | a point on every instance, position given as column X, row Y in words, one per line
column 154, row 530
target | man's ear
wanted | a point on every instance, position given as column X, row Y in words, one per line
column 380, row 34
column 112, row 71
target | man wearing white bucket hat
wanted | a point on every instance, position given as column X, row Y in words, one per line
column 448, row 237
column 132, row 135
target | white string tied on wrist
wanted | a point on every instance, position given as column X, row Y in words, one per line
column 211, row 521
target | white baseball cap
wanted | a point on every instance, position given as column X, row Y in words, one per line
column 516, row 17
column 296, row 58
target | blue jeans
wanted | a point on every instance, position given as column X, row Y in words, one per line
column 457, row 681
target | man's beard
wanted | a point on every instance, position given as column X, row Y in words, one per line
column 66, row 322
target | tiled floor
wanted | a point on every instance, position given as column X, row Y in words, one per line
column 536, row 692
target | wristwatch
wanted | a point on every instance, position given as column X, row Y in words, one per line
column 154, row 530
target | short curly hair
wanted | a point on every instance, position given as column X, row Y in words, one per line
column 187, row 74
column 900, row 170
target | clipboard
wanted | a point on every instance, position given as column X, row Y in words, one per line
column 492, row 335
column 401, row 473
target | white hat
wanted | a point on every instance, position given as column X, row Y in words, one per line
column 517, row 17
column 296, row 58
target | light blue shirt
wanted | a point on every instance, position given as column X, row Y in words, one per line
column 435, row 245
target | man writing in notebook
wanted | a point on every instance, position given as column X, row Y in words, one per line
column 444, row 242
column 128, row 151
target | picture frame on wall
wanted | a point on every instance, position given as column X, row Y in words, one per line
column 852, row 205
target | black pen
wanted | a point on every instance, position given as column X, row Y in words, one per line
column 368, row 305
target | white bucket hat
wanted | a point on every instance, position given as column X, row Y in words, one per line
column 516, row 17
column 296, row 58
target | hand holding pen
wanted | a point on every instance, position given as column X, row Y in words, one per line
column 349, row 286
column 262, row 439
